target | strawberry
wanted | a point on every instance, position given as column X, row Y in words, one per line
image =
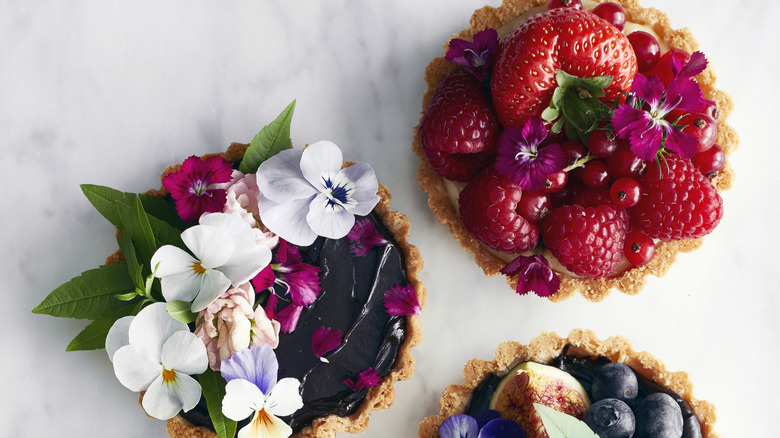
column 577, row 42
column 588, row 241
column 677, row 202
column 459, row 130
column 489, row 211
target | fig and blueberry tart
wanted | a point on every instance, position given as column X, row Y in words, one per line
column 573, row 387
column 267, row 291
column 574, row 145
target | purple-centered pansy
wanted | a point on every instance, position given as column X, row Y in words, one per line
column 323, row 340
column 645, row 126
column 197, row 186
column 522, row 159
column 301, row 280
column 534, row 274
column 484, row 424
column 252, row 390
column 365, row 379
column 475, row 56
column 363, row 237
column 402, row 300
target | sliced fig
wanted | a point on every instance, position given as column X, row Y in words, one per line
column 531, row 382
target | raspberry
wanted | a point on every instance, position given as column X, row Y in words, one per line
column 587, row 240
column 459, row 122
column 488, row 209
column 677, row 202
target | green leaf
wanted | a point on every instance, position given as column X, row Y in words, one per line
column 93, row 337
column 89, row 295
column 560, row 425
column 272, row 139
column 135, row 223
column 181, row 311
column 213, row 385
column 550, row 114
column 104, row 200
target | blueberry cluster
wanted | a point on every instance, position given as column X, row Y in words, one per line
column 618, row 412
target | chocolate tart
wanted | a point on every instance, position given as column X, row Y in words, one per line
column 441, row 191
column 549, row 348
column 386, row 344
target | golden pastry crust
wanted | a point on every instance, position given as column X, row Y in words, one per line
column 593, row 289
column 548, row 346
column 378, row 397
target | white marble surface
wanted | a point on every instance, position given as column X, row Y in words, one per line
column 111, row 92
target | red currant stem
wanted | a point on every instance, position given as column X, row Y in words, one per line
column 580, row 162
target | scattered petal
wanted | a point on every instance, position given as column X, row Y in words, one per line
column 288, row 317
column 402, row 300
column 363, row 237
column 534, row 274
column 366, row 379
column 325, row 339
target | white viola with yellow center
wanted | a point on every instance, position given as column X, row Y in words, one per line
column 224, row 253
column 153, row 352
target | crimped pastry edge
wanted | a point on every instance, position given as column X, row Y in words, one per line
column 544, row 349
column 593, row 289
column 378, row 397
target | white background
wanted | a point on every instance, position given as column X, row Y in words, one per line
column 111, row 92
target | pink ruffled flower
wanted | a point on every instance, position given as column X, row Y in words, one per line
column 534, row 274
column 230, row 324
column 242, row 197
column 366, row 379
column 402, row 300
column 363, row 237
column 197, row 187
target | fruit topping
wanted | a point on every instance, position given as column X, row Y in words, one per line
column 530, row 383
column 625, row 192
column 587, row 241
column 647, row 49
column 459, row 129
column 640, row 248
column 699, row 125
column 615, row 380
column 658, row 416
column 611, row 12
column 710, row 162
column 602, row 143
column 595, row 174
column 534, row 206
column 611, row 418
column 574, row 4
column 678, row 202
column 489, row 210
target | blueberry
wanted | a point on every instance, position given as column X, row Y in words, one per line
column 611, row 418
column 658, row 416
column 615, row 380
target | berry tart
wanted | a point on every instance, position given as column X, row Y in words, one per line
column 574, row 145
column 578, row 386
column 266, row 290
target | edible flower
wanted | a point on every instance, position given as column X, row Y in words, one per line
column 325, row 339
column 225, row 253
column 197, row 186
column 307, row 194
column 365, row 379
column 288, row 317
column 476, row 56
column 155, row 353
column 252, row 390
column 484, row 424
column 643, row 123
column 301, row 280
column 535, row 275
column 402, row 300
column 242, row 196
column 363, row 237
column 522, row 159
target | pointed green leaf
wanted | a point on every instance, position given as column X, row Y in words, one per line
column 105, row 198
column 126, row 297
column 93, row 337
column 213, row 385
column 272, row 139
column 89, row 295
column 181, row 311
column 135, row 223
column 560, row 425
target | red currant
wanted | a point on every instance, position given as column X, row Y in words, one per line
column 595, row 174
column 625, row 192
column 534, row 206
column 710, row 162
column 612, row 13
column 573, row 151
column 623, row 163
column 574, row 4
column 639, row 248
column 555, row 182
column 602, row 142
column 647, row 50
column 697, row 124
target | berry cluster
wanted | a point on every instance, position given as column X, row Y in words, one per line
column 595, row 187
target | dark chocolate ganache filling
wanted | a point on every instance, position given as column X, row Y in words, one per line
column 351, row 300
column 584, row 369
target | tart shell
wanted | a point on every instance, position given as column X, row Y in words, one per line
column 593, row 289
column 378, row 397
column 547, row 347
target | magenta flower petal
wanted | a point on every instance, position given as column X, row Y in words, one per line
column 363, row 237
column 270, row 306
column 684, row 144
column 195, row 187
column 535, row 275
column 366, row 379
column 265, row 279
column 288, row 317
column 651, row 89
column 522, row 160
column 683, row 94
column 402, row 300
column 693, row 67
column 303, row 281
column 325, row 339
column 476, row 57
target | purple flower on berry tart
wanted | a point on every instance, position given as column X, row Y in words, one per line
column 523, row 160
column 363, row 237
column 476, row 56
column 645, row 126
column 198, row 186
column 534, row 274
column 402, row 300
column 325, row 339
column 365, row 379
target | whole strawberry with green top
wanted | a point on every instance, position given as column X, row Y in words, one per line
column 574, row 41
